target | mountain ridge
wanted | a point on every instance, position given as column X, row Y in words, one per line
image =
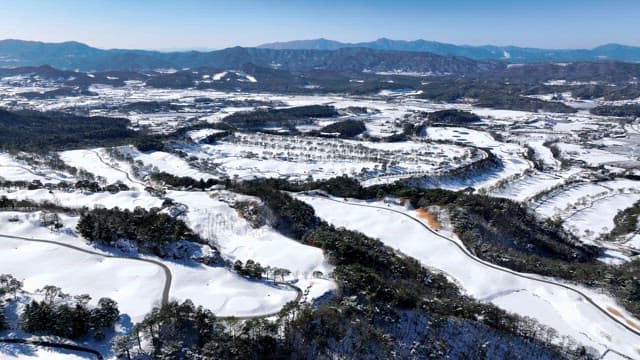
column 78, row 56
column 611, row 51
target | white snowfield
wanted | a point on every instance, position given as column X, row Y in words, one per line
column 591, row 156
column 511, row 156
column 588, row 209
column 29, row 352
column 14, row 170
column 97, row 163
column 564, row 310
column 76, row 199
column 215, row 220
column 526, row 187
column 137, row 286
column 165, row 162
column 251, row 155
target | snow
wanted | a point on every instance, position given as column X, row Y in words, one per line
column 526, row 187
column 261, row 155
column 510, row 155
column 90, row 160
column 27, row 352
column 598, row 219
column 567, row 197
column 237, row 240
column 135, row 285
column 246, row 77
column 552, row 305
column 197, row 135
column 226, row 293
column 166, row 162
column 592, row 157
column 219, row 76
column 76, row 199
column 13, row 170
column 589, row 208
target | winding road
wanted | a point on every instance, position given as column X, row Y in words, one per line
column 472, row 257
column 164, row 300
column 167, row 273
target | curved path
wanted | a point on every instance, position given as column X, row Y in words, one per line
column 164, row 300
column 167, row 272
column 54, row 345
column 264, row 316
column 468, row 254
column 129, row 177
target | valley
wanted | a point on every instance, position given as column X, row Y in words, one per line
column 225, row 199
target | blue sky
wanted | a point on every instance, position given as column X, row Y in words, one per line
column 160, row 24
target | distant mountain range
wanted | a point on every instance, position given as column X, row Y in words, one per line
column 78, row 56
column 383, row 56
column 512, row 54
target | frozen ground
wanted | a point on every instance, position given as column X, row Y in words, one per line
column 215, row 220
column 293, row 157
column 136, row 286
column 165, row 162
column 567, row 312
column 97, row 162
column 597, row 219
column 77, row 199
column 528, row 186
column 28, row 352
column 14, row 170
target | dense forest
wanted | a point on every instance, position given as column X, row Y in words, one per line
column 280, row 117
column 625, row 222
column 630, row 110
column 453, row 117
column 503, row 232
column 151, row 230
column 41, row 131
column 344, row 129
column 60, row 314
column 383, row 307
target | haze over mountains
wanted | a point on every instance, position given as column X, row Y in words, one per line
column 78, row 56
column 615, row 52
column 383, row 55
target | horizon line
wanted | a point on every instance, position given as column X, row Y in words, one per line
column 207, row 49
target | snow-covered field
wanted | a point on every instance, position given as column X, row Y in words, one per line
column 591, row 156
column 77, row 199
column 510, row 155
column 526, row 187
column 28, row 352
column 165, row 162
column 261, row 155
column 136, row 286
column 588, row 208
column 597, row 219
column 14, row 170
column 96, row 162
column 567, row 312
column 215, row 220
